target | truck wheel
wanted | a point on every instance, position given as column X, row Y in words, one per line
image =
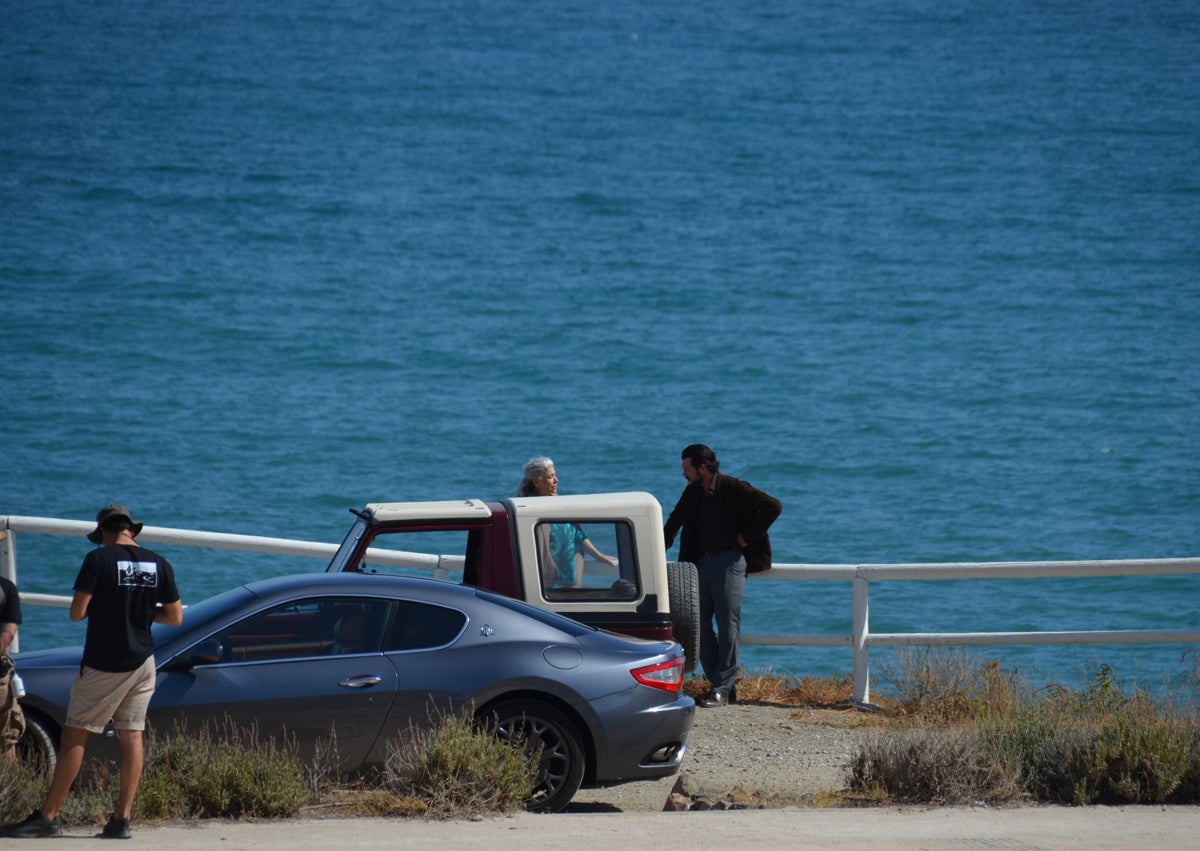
column 683, row 593
column 37, row 746
column 560, row 765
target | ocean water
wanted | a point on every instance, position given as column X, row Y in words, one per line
column 927, row 272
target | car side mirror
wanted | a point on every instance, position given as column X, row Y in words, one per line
column 207, row 652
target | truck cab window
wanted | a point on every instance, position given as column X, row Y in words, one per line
column 590, row 560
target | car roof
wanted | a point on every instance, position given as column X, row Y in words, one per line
column 435, row 591
column 359, row 583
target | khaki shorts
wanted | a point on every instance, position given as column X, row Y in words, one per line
column 12, row 719
column 122, row 697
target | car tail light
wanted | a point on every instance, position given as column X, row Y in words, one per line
column 667, row 676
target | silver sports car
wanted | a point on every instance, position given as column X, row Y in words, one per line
column 363, row 657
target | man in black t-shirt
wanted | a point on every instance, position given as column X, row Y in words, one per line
column 121, row 589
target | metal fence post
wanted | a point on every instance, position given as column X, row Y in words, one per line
column 860, row 625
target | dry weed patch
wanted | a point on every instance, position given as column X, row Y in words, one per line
column 981, row 734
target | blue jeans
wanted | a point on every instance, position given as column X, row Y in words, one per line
column 722, row 586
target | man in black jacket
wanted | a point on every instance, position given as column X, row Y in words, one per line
column 724, row 522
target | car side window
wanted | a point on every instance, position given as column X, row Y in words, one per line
column 315, row 627
column 575, row 561
column 421, row 626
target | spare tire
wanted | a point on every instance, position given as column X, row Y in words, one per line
column 683, row 594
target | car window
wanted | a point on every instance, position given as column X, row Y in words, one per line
column 575, row 560
column 196, row 616
column 322, row 626
column 421, row 626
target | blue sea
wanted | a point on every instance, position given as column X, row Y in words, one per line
column 929, row 272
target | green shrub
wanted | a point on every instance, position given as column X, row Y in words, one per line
column 1098, row 745
column 996, row 739
column 458, row 770
column 22, row 788
column 1041, row 750
column 221, row 771
column 1138, row 757
column 1189, row 783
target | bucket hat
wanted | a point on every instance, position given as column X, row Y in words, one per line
column 113, row 512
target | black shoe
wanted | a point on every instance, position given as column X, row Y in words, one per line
column 117, row 828
column 34, row 827
column 715, row 700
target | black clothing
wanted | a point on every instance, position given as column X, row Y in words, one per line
column 717, row 532
column 10, row 602
column 711, row 521
column 126, row 584
column 749, row 511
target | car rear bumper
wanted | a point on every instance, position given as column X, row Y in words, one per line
column 649, row 743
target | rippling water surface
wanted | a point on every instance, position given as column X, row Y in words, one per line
column 926, row 272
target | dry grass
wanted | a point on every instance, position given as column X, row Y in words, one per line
column 217, row 771
column 828, row 701
column 22, row 788
column 220, row 770
column 978, row 733
column 451, row 770
column 935, row 687
column 777, row 690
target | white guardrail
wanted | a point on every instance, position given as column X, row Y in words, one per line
column 860, row 639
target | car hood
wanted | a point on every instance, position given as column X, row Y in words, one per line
column 59, row 657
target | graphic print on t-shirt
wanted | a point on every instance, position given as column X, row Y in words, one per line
column 139, row 574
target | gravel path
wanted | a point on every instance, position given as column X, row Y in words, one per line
column 746, row 747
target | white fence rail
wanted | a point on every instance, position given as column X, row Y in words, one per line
column 859, row 640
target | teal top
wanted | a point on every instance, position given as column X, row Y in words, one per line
column 566, row 540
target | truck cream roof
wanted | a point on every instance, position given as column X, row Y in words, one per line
column 457, row 509
column 595, row 504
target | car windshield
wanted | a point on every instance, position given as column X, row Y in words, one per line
column 559, row 622
column 201, row 613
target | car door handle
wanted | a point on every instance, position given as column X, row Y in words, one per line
column 361, row 681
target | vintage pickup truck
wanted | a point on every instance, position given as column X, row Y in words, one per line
column 507, row 546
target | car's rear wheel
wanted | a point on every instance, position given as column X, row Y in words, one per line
column 683, row 593
column 560, row 761
column 38, row 744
